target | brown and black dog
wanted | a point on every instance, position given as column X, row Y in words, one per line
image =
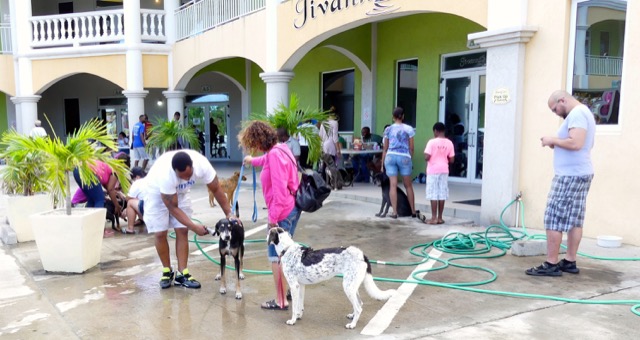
column 231, row 243
column 229, row 186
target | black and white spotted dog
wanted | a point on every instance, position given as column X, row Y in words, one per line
column 231, row 243
column 302, row 266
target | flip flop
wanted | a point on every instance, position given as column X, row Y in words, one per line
column 441, row 222
column 127, row 232
column 273, row 305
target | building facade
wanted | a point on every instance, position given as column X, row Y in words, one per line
column 483, row 67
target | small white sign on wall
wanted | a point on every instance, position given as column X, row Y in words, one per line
column 500, row 96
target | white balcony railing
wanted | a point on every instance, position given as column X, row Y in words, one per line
column 5, row 39
column 604, row 66
column 93, row 28
column 198, row 16
column 152, row 25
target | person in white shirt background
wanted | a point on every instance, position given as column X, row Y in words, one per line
column 38, row 130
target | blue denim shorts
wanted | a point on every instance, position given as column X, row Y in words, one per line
column 289, row 224
column 394, row 164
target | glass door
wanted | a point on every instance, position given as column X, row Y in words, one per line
column 462, row 111
column 210, row 123
column 196, row 118
column 116, row 119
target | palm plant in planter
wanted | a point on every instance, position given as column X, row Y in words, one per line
column 165, row 135
column 71, row 240
column 23, row 180
column 293, row 119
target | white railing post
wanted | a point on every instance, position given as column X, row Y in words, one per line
column 194, row 17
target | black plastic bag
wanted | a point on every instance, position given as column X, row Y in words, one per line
column 312, row 192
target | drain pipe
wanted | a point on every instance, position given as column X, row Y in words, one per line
column 518, row 200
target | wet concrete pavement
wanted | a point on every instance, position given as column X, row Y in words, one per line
column 120, row 298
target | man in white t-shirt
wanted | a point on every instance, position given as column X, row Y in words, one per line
column 167, row 205
column 292, row 143
column 135, row 200
column 567, row 199
column 38, row 130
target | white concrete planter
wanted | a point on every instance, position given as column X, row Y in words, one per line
column 70, row 244
column 19, row 208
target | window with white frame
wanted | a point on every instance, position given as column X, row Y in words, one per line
column 599, row 34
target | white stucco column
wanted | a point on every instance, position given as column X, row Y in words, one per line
column 277, row 88
column 175, row 102
column 26, row 101
column 503, row 118
column 170, row 7
column 135, row 92
column 135, row 108
column 133, row 41
column 26, row 112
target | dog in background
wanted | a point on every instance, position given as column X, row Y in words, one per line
column 111, row 209
column 374, row 166
column 229, row 186
column 404, row 208
column 302, row 266
column 231, row 243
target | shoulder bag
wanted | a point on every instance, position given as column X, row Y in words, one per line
column 312, row 191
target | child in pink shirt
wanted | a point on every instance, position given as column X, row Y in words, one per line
column 438, row 154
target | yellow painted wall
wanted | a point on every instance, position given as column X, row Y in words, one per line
column 7, row 81
column 48, row 71
column 244, row 38
column 611, row 202
column 292, row 39
column 155, row 71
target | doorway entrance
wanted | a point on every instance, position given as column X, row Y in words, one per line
column 113, row 112
column 462, row 99
column 209, row 116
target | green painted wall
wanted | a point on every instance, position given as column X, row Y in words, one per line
column 308, row 76
column 4, row 125
column 422, row 36
column 425, row 37
column 233, row 67
column 258, row 90
column 357, row 40
column 615, row 29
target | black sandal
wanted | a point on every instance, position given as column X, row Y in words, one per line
column 273, row 305
column 394, row 216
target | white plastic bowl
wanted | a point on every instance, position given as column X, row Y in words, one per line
column 609, row 241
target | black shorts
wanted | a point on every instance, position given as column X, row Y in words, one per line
column 141, row 207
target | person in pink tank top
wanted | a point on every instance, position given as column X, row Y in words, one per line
column 438, row 154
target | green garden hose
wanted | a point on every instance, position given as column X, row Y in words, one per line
column 469, row 246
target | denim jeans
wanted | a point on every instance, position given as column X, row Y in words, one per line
column 289, row 224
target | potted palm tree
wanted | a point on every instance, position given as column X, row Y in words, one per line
column 165, row 135
column 293, row 119
column 23, row 182
column 70, row 240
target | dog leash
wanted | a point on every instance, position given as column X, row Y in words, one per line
column 235, row 195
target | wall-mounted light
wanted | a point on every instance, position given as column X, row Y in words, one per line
column 160, row 102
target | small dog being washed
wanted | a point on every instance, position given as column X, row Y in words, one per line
column 231, row 243
column 302, row 266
